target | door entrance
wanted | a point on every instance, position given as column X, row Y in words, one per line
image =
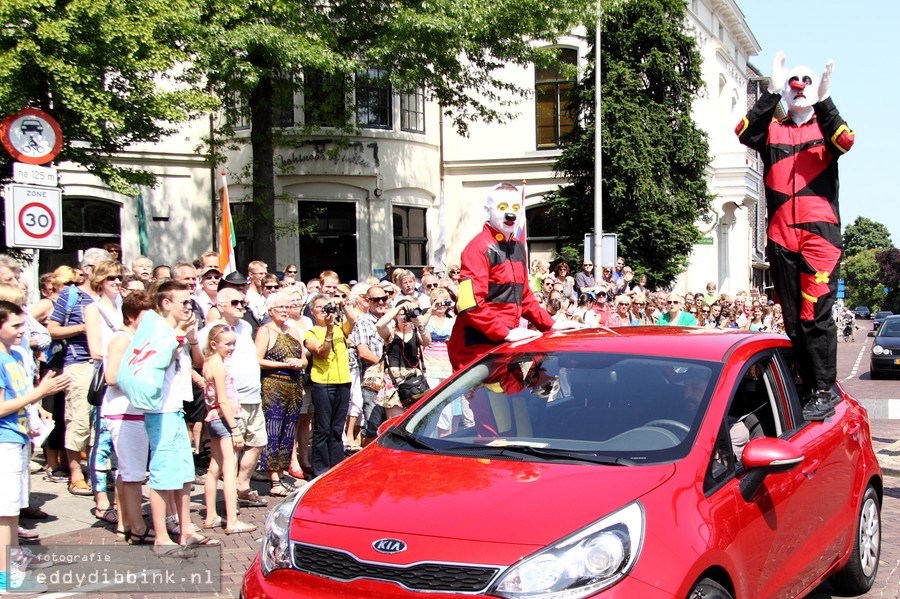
column 333, row 245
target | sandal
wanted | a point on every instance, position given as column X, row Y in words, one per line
column 281, row 489
column 80, row 488
column 57, row 476
column 250, row 498
column 108, row 515
column 239, row 528
column 216, row 523
column 123, row 536
column 180, row 551
column 172, row 525
column 148, row 538
column 200, row 541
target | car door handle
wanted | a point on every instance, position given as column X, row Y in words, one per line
column 852, row 430
column 810, row 469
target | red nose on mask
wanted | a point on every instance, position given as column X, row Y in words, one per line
column 798, row 85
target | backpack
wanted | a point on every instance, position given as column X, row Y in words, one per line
column 143, row 369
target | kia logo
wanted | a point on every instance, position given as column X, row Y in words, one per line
column 389, row 546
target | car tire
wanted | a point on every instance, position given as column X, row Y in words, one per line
column 707, row 588
column 859, row 574
column 874, row 374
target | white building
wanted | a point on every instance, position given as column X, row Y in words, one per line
column 379, row 193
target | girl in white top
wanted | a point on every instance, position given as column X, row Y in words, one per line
column 225, row 437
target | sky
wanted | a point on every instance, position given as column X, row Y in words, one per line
column 861, row 38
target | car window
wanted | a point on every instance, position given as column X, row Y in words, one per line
column 641, row 409
column 890, row 328
column 755, row 410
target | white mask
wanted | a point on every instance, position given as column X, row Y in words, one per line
column 504, row 205
column 801, row 92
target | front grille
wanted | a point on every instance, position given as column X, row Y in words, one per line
column 434, row 577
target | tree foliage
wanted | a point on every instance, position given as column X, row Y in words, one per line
column 250, row 51
column 865, row 234
column 863, row 280
column 105, row 70
column 654, row 155
column 889, row 273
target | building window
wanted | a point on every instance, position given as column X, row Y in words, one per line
column 283, row 102
column 239, row 115
column 373, row 99
column 412, row 111
column 324, row 98
column 89, row 223
column 410, row 237
column 553, row 92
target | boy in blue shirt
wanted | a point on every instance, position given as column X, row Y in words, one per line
column 16, row 393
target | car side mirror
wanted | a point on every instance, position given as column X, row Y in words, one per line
column 765, row 456
column 872, row 334
column 389, row 423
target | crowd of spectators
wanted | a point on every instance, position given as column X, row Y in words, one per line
column 272, row 379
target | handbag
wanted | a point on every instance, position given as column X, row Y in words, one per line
column 373, row 378
column 56, row 353
column 414, row 386
column 97, row 388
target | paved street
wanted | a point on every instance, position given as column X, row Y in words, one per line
column 71, row 522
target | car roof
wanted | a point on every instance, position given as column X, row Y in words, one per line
column 677, row 342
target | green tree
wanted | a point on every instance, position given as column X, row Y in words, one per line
column 253, row 53
column 104, row 69
column 654, row 155
column 889, row 274
column 863, row 281
column 865, row 234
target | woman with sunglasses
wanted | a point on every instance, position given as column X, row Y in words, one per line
column 279, row 349
column 620, row 317
column 405, row 332
column 102, row 318
column 638, row 316
column 561, row 274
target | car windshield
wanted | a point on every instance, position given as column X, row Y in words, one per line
column 576, row 407
column 884, row 314
column 890, row 328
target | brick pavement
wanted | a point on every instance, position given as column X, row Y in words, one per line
column 78, row 527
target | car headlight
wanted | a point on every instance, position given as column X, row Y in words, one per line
column 881, row 351
column 275, row 551
column 581, row 564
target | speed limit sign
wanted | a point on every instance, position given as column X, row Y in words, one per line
column 35, row 218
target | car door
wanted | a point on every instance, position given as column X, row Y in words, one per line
column 835, row 479
column 775, row 522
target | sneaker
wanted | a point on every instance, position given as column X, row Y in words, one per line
column 28, row 535
column 819, row 405
column 34, row 561
column 17, row 579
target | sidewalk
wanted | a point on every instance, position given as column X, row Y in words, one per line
column 71, row 521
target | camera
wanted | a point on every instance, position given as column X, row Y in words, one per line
column 446, row 303
column 411, row 313
column 329, row 309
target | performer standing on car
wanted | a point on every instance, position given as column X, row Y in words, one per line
column 493, row 292
column 800, row 155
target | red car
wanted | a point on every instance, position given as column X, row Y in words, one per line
column 629, row 463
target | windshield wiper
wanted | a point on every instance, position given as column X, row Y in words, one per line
column 410, row 439
column 545, row 453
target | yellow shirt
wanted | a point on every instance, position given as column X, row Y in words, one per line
column 336, row 369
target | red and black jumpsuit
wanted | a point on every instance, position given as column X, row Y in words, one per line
column 804, row 229
column 493, row 295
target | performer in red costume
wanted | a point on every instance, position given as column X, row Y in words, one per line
column 800, row 154
column 493, row 291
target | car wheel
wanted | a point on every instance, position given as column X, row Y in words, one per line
column 874, row 374
column 858, row 575
column 707, row 588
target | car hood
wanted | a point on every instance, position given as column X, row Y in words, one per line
column 475, row 499
column 888, row 342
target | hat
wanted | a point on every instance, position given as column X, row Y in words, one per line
column 203, row 271
column 233, row 278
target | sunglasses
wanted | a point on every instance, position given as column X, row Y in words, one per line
column 639, row 304
column 211, row 277
column 119, row 278
column 290, row 272
column 670, row 302
column 341, row 295
column 379, row 299
column 238, row 303
column 223, row 330
column 431, row 286
column 271, row 286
